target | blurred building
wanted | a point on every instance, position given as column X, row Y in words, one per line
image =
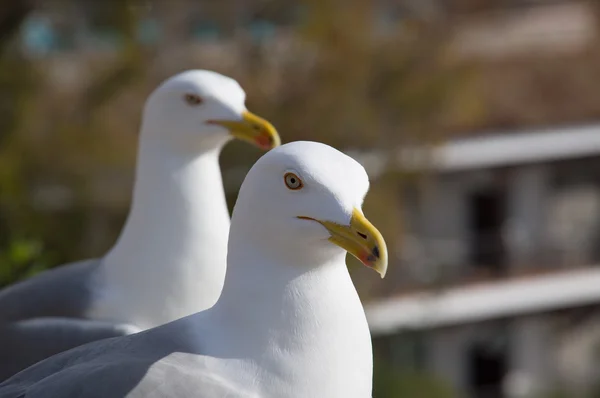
column 506, row 243
column 499, row 288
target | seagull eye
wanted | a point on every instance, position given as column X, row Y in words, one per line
column 192, row 99
column 292, row 181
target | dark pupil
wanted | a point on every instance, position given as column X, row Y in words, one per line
column 293, row 180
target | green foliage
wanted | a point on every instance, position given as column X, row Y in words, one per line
column 48, row 140
column 21, row 259
column 393, row 383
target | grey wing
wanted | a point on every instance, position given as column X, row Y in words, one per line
column 24, row 343
column 126, row 377
column 144, row 365
column 61, row 292
column 186, row 379
column 98, row 369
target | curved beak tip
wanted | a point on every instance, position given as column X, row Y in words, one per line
column 372, row 245
column 377, row 260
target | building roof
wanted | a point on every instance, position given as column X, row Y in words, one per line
column 560, row 290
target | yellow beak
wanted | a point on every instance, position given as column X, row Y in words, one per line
column 361, row 239
column 252, row 129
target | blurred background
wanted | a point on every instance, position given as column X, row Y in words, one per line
column 477, row 120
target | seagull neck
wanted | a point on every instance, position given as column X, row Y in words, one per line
column 173, row 189
column 264, row 291
column 306, row 309
column 175, row 236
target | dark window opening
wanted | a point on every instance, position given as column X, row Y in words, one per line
column 487, row 369
column 487, row 215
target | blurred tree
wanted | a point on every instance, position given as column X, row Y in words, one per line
column 32, row 120
column 22, row 259
column 12, row 14
column 393, row 383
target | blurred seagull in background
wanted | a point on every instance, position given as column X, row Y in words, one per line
column 170, row 259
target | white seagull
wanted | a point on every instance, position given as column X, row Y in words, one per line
column 289, row 323
column 170, row 259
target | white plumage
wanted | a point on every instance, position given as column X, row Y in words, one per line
column 170, row 258
column 289, row 322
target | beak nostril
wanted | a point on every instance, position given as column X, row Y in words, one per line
column 362, row 235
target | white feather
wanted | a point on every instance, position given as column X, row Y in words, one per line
column 170, row 258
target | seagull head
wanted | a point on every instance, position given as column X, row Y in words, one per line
column 199, row 110
column 303, row 197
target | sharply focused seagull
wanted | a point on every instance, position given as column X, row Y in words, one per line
column 170, row 258
column 289, row 322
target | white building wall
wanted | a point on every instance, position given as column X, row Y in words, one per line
column 443, row 229
column 527, row 194
column 577, row 357
column 531, row 357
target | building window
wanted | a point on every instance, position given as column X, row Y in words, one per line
column 488, row 362
column 487, row 214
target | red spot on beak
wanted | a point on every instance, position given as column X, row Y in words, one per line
column 264, row 141
column 365, row 259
